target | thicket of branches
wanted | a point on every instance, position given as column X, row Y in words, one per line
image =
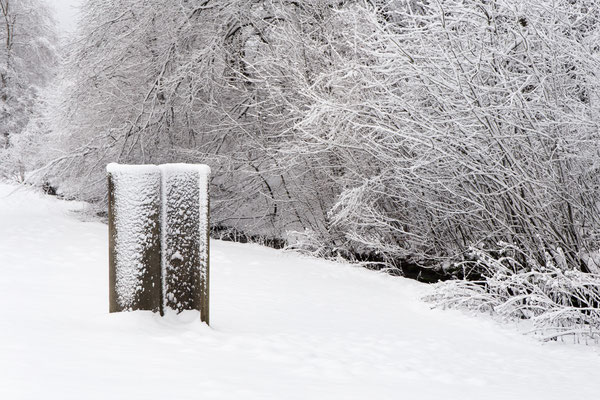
column 28, row 61
column 408, row 129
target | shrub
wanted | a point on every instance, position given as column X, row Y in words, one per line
column 558, row 300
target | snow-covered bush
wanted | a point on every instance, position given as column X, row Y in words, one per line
column 559, row 301
column 463, row 122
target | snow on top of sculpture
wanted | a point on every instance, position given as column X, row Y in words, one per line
column 138, row 169
column 182, row 167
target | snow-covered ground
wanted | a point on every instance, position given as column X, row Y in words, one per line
column 283, row 327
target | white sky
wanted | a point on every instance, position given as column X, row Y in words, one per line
column 66, row 13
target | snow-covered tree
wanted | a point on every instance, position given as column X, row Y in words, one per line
column 215, row 82
column 28, row 58
column 409, row 129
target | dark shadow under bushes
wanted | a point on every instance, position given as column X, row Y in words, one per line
column 230, row 234
column 395, row 267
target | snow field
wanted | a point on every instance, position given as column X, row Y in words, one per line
column 282, row 327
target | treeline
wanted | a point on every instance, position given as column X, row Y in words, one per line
column 409, row 130
column 28, row 62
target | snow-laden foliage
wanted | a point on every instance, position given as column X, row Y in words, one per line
column 465, row 122
column 203, row 82
column 406, row 129
column 28, row 58
column 558, row 301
